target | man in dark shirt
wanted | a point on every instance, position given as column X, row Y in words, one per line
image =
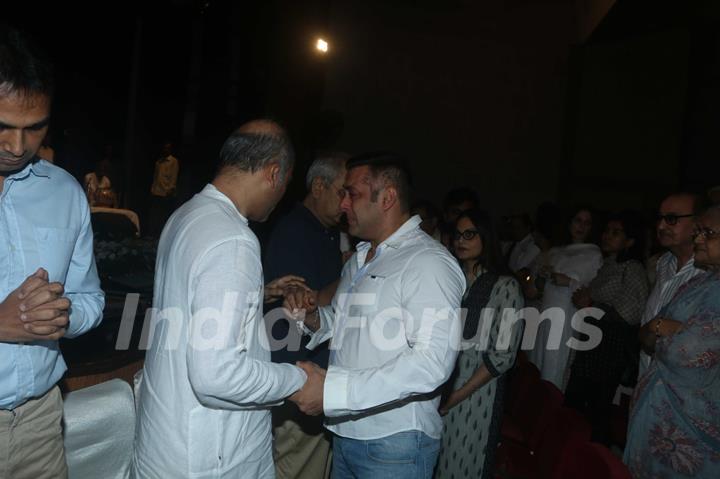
column 306, row 243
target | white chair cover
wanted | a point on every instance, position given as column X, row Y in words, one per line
column 99, row 431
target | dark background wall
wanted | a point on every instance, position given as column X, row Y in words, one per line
column 612, row 102
column 628, row 120
column 607, row 103
column 473, row 92
column 645, row 105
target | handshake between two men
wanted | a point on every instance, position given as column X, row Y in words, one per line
column 301, row 303
column 35, row 311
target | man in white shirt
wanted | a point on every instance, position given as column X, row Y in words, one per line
column 675, row 226
column 208, row 380
column 523, row 250
column 394, row 330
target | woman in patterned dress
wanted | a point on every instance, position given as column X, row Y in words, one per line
column 473, row 410
column 675, row 416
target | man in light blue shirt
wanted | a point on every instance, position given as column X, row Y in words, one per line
column 48, row 280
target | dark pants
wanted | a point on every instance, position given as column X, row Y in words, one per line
column 594, row 400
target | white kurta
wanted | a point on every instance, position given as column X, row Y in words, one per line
column 208, row 380
column 581, row 263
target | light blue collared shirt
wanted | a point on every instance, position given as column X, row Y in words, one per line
column 45, row 223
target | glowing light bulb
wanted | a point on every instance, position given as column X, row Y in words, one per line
column 321, row 45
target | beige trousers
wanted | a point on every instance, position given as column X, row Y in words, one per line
column 31, row 443
column 301, row 446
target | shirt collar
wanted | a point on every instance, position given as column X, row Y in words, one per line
column 211, row 192
column 396, row 239
column 36, row 167
column 671, row 262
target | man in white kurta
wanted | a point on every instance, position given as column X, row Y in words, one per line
column 208, row 380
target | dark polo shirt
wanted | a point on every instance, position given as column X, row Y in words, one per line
column 299, row 244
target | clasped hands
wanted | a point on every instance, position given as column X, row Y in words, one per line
column 280, row 287
column 299, row 301
column 309, row 398
column 36, row 310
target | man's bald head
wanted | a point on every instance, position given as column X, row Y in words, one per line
column 260, row 127
column 255, row 145
column 689, row 201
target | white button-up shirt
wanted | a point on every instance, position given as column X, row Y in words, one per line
column 208, row 380
column 396, row 330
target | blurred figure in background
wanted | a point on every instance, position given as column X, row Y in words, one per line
column 430, row 217
column 98, row 186
column 523, row 250
column 163, row 189
column 548, row 232
column 568, row 268
column 620, row 290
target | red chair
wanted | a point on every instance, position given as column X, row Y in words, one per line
column 522, row 430
column 521, row 378
column 569, row 427
column 589, row 460
column 518, row 461
column 532, row 414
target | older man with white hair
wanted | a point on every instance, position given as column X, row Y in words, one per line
column 306, row 243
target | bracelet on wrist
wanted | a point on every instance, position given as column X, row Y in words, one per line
column 657, row 327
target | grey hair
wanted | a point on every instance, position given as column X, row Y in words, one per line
column 253, row 151
column 327, row 167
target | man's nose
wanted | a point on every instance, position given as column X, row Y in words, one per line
column 14, row 142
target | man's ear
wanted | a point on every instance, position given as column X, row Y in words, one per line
column 629, row 243
column 388, row 198
column 272, row 175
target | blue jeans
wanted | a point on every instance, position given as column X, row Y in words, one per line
column 410, row 454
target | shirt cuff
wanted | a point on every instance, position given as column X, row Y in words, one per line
column 292, row 377
column 323, row 333
column 335, row 391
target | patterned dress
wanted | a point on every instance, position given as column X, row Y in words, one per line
column 675, row 418
column 472, row 428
